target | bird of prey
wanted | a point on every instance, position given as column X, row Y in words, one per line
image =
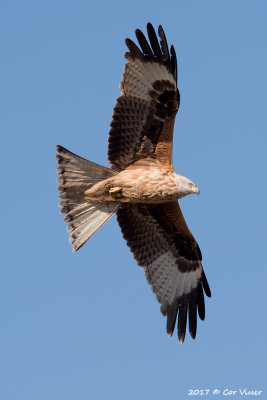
column 141, row 186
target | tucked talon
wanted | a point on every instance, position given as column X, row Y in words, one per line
column 115, row 191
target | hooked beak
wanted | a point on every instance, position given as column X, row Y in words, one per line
column 196, row 190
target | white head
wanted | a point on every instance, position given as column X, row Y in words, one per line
column 186, row 186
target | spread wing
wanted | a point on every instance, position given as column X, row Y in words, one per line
column 144, row 115
column 162, row 243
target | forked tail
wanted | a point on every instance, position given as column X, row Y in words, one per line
column 76, row 175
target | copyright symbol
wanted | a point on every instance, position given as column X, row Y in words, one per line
column 216, row 391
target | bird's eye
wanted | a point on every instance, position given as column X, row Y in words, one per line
column 190, row 184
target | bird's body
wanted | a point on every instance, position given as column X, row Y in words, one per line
column 142, row 187
column 142, row 182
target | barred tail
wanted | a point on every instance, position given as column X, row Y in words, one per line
column 76, row 175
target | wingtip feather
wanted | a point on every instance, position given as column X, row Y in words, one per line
column 206, row 286
column 181, row 339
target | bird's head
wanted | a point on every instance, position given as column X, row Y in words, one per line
column 186, row 186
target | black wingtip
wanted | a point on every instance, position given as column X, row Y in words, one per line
column 154, row 49
column 182, row 318
column 134, row 50
column 192, row 314
column 174, row 63
column 181, row 337
column 164, row 44
column 200, row 303
column 143, row 43
column 205, row 285
column 154, row 42
column 171, row 312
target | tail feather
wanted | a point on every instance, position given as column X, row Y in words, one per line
column 86, row 219
column 76, row 175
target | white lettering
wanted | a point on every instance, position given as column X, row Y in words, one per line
column 228, row 392
column 247, row 392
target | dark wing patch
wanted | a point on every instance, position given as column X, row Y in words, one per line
column 149, row 87
column 171, row 258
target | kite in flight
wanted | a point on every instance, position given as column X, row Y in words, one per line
column 141, row 186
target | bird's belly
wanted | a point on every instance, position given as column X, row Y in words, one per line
column 152, row 186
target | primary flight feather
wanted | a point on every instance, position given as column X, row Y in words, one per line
column 141, row 186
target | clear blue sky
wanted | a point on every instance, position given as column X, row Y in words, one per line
column 87, row 325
